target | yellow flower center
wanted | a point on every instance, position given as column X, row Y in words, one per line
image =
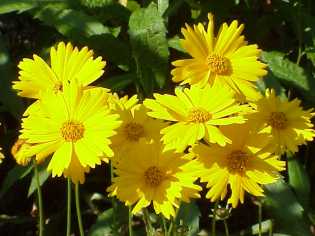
column 72, row 131
column 198, row 115
column 278, row 120
column 218, row 64
column 134, row 131
column 153, row 176
column 237, row 161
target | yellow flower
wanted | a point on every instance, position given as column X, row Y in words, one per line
column 198, row 113
column 287, row 122
column 225, row 59
column 136, row 125
column 20, row 152
column 242, row 164
column 1, row 156
column 74, row 125
column 150, row 175
column 67, row 64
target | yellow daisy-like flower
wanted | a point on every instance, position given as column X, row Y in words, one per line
column 150, row 175
column 242, row 164
column 225, row 59
column 67, row 63
column 136, row 125
column 287, row 122
column 74, row 125
column 198, row 113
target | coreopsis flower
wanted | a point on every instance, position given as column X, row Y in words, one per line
column 151, row 176
column 136, row 125
column 75, row 126
column 287, row 122
column 66, row 64
column 243, row 165
column 197, row 113
column 225, row 59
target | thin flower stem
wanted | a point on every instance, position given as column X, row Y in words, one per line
column 259, row 218
column 77, row 206
column 170, row 229
column 40, row 201
column 130, row 222
column 226, row 228
column 214, row 218
column 147, row 222
column 271, row 229
column 68, row 206
column 164, row 226
column 173, row 221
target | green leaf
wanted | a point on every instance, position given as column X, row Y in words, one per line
column 189, row 214
column 290, row 74
column 109, row 221
column 8, row 97
column 175, row 44
column 162, row 6
column 299, row 181
column 7, row 6
column 43, row 176
column 149, row 47
column 72, row 23
column 119, row 82
column 282, row 204
column 15, row 174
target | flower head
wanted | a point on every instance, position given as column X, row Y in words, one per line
column 198, row 113
column 136, row 125
column 243, row 165
column 223, row 59
column 287, row 122
column 73, row 125
column 67, row 63
column 150, row 175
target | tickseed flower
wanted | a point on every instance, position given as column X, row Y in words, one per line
column 66, row 64
column 150, row 175
column 73, row 125
column 287, row 122
column 242, row 165
column 198, row 113
column 136, row 125
column 223, row 59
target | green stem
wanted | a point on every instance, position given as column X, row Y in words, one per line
column 170, row 229
column 77, row 206
column 214, row 218
column 271, row 229
column 130, row 222
column 226, row 228
column 147, row 222
column 68, row 206
column 259, row 218
column 164, row 226
column 40, row 201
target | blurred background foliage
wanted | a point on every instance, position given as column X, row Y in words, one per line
column 139, row 39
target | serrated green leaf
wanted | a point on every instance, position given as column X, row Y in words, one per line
column 290, row 74
column 149, row 47
column 7, row 6
column 15, row 174
column 42, row 175
column 189, row 213
column 281, row 203
column 299, row 181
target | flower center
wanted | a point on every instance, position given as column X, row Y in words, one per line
column 237, row 161
column 278, row 120
column 58, row 87
column 218, row 64
column 134, row 131
column 72, row 131
column 198, row 115
column 153, row 176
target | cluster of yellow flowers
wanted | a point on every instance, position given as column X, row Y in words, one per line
column 219, row 128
